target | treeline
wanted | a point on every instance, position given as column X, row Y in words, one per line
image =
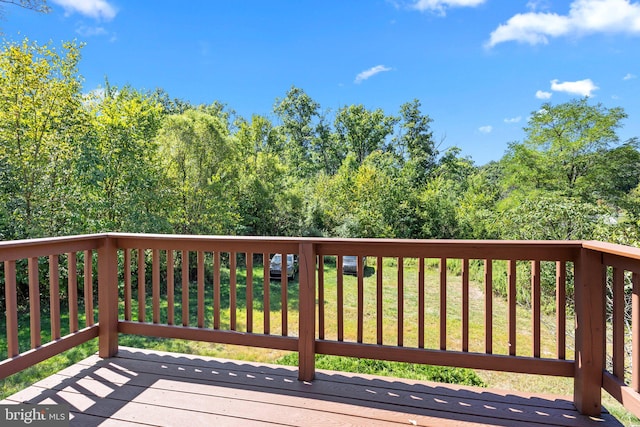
column 120, row 159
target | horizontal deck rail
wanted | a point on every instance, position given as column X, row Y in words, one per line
column 219, row 289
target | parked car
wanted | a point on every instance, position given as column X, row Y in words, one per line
column 350, row 264
column 275, row 266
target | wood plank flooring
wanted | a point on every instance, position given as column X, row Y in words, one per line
column 150, row 388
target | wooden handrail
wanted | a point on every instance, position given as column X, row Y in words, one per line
column 330, row 323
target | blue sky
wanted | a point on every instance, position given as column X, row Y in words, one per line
column 479, row 67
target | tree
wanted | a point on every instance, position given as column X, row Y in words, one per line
column 565, row 144
column 119, row 168
column 199, row 159
column 298, row 112
column 363, row 131
column 416, row 138
column 40, row 117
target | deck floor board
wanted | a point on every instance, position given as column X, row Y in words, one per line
column 144, row 387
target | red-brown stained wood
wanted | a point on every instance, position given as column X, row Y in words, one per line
column 618, row 322
column 155, row 285
column 400, row 301
column 232, row 291
column 511, row 302
column 561, row 310
column 306, row 325
column 88, row 287
column 488, row 306
column 635, row 328
column 340, row 297
column 379, row 315
column 360, row 315
column 54, row 296
column 72, row 262
column 11, row 302
column 185, row 287
column 266, row 297
column 443, row 303
column 465, row 305
column 108, row 298
column 142, row 292
column 284, row 288
column 535, row 306
column 217, row 305
column 170, row 288
column 321, row 297
column 34, row 303
column 421, row 303
column 590, row 333
column 45, row 351
column 127, row 284
column 249, row 289
column 200, row 301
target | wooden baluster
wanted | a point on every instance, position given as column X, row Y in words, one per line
column 400, row 301
column 284, row 286
column 511, row 302
column 155, row 285
column 72, row 262
column 200, row 298
column 340, row 298
column 360, row 273
column 443, row 303
column 618, row 322
column 127, row 284
column 34, row 302
column 249, row 296
column 54, row 297
column 185, row 288
column 232, row 290
column 88, row 287
column 488, row 306
column 465, row 305
column 561, row 311
column 379, row 314
column 11, row 301
column 142, row 292
column 216, row 289
column 266, row 294
column 321, row 297
column 170, row 288
column 421, row 302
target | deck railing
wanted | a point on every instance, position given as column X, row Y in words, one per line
column 217, row 289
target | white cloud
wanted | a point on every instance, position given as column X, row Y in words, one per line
column 98, row 9
column 485, row 129
column 629, row 76
column 370, row 73
column 543, row 95
column 584, row 17
column 513, row 119
column 88, row 31
column 440, row 6
column 581, row 87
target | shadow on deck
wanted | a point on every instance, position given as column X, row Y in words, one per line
column 143, row 387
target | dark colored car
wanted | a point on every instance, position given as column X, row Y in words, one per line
column 350, row 264
column 275, row 266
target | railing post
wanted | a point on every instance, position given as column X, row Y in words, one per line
column 590, row 332
column 108, row 297
column 307, row 312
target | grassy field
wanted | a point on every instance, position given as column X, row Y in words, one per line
column 390, row 315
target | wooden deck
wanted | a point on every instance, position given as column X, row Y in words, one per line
column 143, row 387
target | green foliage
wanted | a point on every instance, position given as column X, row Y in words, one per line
column 392, row 369
column 39, row 125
